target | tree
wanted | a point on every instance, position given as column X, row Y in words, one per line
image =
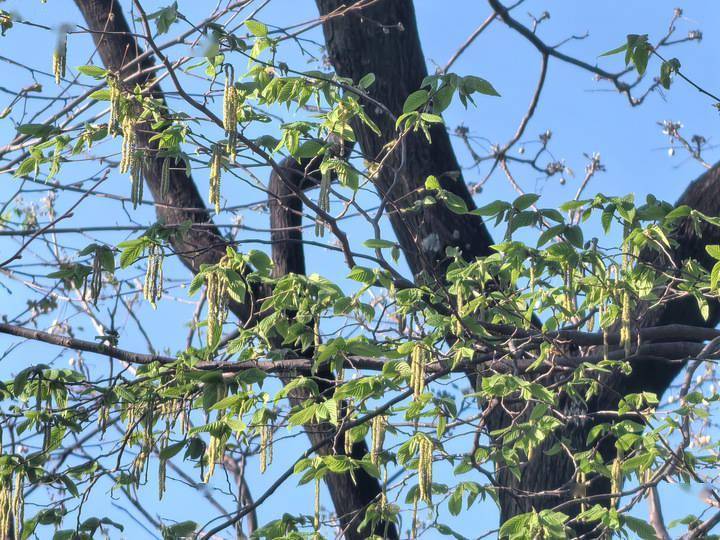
column 568, row 344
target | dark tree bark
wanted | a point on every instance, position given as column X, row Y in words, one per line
column 383, row 39
column 350, row 497
column 118, row 48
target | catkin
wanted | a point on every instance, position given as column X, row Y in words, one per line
column 215, row 176
column 115, row 105
column 379, row 425
column 230, row 119
column 316, row 520
column 153, row 287
column 18, row 504
column 460, row 300
column 128, row 144
column 425, row 469
column 616, row 478
column 347, row 435
column 60, row 59
column 323, row 203
column 165, row 177
column 217, row 299
column 266, row 452
column 5, row 504
column 417, row 370
column 96, row 281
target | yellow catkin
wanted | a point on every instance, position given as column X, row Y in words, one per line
column 5, row 504
column 460, row 300
column 616, row 478
column 60, row 59
column 425, row 451
column 153, row 286
column 347, row 435
column 413, row 529
column 230, row 119
column 114, row 126
column 18, row 504
column 217, row 299
column 582, row 489
column 266, row 452
column 128, row 145
column 323, row 203
column 379, row 425
column 417, row 371
column 215, row 176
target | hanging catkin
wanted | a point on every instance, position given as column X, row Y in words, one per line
column 217, row 299
column 316, row 520
column 266, row 451
column 96, row 282
column 115, row 105
column 460, row 300
column 215, row 176
column 5, row 503
column 379, row 424
column 165, row 177
column 18, row 504
column 347, row 435
column 425, row 469
column 323, row 203
column 625, row 328
column 230, row 103
column 60, row 58
column 153, row 287
column 616, row 477
column 417, row 370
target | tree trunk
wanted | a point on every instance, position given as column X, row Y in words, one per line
column 118, row 48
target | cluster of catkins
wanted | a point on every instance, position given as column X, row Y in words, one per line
column 12, row 503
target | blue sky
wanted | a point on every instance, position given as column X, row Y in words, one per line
column 583, row 115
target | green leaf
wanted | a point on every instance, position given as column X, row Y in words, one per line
column 172, row 449
column 617, row 50
column 378, row 243
column 367, row 81
column 713, row 251
column 96, row 72
column 257, row 28
column 415, row 100
column 471, row 84
column 362, row 274
column 524, row 202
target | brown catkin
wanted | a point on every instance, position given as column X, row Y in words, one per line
column 60, row 59
column 215, row 176
column 153, row 286
column 425, row 451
